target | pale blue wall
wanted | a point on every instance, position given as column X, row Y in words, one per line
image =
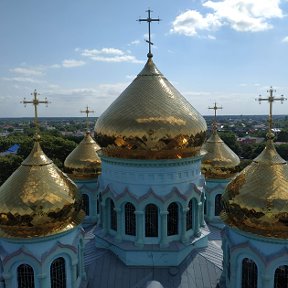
column 89, row 187
column 268, row 254
column 159, row 182
column 39, row 253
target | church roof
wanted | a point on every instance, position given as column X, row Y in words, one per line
column 201, row 269
column 83, row 161
column 219, row 161
column 38, row 200
column 150, row 120
column 257, row 199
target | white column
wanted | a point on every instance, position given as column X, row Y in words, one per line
column 183, row 223
column 104, row 218
column 163, row 236
column 119, row 224
column 139, row 228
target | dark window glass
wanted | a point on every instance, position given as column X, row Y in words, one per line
column 58, row 273
column 130, row 219
column 85, row 203
column 218, row 204
column 151, row 221
column 189, row 215
column 172, row 219
column 281, row 277
column 113, row 216
column 249, row 274
column 25, row 276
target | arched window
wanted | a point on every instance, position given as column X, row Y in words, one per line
column 281, row 277
column 97, row 206
column 218, row 204
column 25, row 276
column 58, row 273
column 172, row 219
column 113, row 216
column 130, row 219
column 85, row 203
column 151, row 221
column 189, row 215
column 249, row 274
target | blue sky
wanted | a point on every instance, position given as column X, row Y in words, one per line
column 79, row 53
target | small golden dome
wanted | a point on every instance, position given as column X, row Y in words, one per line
column 257, row 199
column 150, row 120
column 83, row 161
column 219, row 161
column 38, row 200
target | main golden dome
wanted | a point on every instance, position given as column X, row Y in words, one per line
column 83, row 161
column 257, row 199
column 150, row 120
column 219, row 161
column 38, row 200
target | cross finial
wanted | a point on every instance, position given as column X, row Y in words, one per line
column 87, row 112
column 35, row 102
column 215, row 108
column 270, row 98
column 149, row 20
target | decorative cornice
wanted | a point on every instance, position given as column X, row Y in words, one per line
column 150, row 163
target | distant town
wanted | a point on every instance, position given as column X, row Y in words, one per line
column 244, row 134
column 248, row 128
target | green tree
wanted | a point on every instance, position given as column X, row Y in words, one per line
column 230, row 140
column 8, row 164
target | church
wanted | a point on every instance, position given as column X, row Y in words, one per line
column 148, row 203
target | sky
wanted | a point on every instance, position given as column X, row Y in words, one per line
column 85, row 53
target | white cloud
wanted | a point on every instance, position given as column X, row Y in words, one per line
column 240, row 15
column 112, row 55
column 189, row 22
column 27, row 71
column 22, row 79
column 285, row 39
column 135, row 42
column 103, row 51
column 70, row 63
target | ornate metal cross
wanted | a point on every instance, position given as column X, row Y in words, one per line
column 149, row 20
column 215, row 108
column 35, row 102
column 270, row 98
column 87, row 112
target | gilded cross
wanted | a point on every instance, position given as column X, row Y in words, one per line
column 149, row 20
column 35, row 102
column 87, row 112
column 215, row 108
column 270, row 98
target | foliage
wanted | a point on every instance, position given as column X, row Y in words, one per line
column 8, row 164
column 230, row 140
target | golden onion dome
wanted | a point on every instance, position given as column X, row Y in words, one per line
column 257, row 199
column 38, row 200
column 83, row 161
column 219, row 161
column 150, row 120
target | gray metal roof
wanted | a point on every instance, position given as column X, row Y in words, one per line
column 201, row 269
